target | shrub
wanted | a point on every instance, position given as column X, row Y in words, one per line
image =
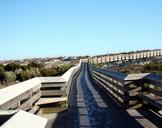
column 10, row 76
column 12, row 66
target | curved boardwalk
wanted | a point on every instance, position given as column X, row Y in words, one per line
column 90, row 107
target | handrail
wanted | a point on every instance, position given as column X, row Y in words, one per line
column 68, row 77
column 125, row 56
column 23, row 95
column 126, row 88
column 8, row 93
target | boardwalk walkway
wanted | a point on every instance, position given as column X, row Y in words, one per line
column 91, row 107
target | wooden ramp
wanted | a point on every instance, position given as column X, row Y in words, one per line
column 43, row 101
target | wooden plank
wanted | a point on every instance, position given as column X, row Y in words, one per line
column 141, row 119
column 53, row 92
column 42, row 101
column 29, row 102
column 159, row 93
column 24, row 119
column 121, row 102
column 154, row 98
column 135, row 106
column 160, row 112
column 150, row 100
column 114, row 75
column 35, row 97
column 17, row 99
column 155, row 82
column 135, row 90
column 53, row 85
column 13, row 91
column 26, row 105
column 112, row 83
column 116, row 85
column 34, row 109
column 51, row 79
column 7, row 112
column 111, row 88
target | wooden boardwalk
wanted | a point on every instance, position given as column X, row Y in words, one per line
column 92, row 107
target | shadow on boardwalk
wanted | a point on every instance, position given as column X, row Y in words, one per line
column 111, row 116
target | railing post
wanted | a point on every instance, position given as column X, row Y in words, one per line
column 152, row 87
column 126, row 94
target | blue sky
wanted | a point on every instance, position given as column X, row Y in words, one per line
column 42, row 28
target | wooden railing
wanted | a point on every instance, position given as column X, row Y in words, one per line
column 125, row 56
column 24, row 95
column 112, row 83
column 152, row 91
column 20, row 96
column 130, row 90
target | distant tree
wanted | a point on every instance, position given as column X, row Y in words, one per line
column 15, row 71
column 35, row 64
column 44, row 72
column 48, row 71
column 98, row 65
column 24, row 67
column 154, row 67
column 10, row 76
column 24, row 75
column 1, row 65
column 2, row 74
column 34, row 72
column 12, row 66
column 63, row 68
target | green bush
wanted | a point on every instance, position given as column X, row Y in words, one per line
column 2, row 74
column 35, row 64
column 24, row 75
column 10, row 76
column 55, row 71
column 12, row 66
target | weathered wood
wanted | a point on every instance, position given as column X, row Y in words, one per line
column 43, row 101
column 114, row 75
column 34, row 109
column 120, row 101
column 111, row 88
column 24, row 119
column 141, row 119
column 6, row 112
column 15, row 100
column 126, row 56
column 159, row 93
column 35, row 97
column 111, row 82
column 151, row 100
column 155, row 82
column 28, row 104
column 160, row 112
column 135, row 105
column 53, row 92
column 53, row 85
column 135, row 90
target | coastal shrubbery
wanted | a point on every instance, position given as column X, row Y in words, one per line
column 15, row 72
